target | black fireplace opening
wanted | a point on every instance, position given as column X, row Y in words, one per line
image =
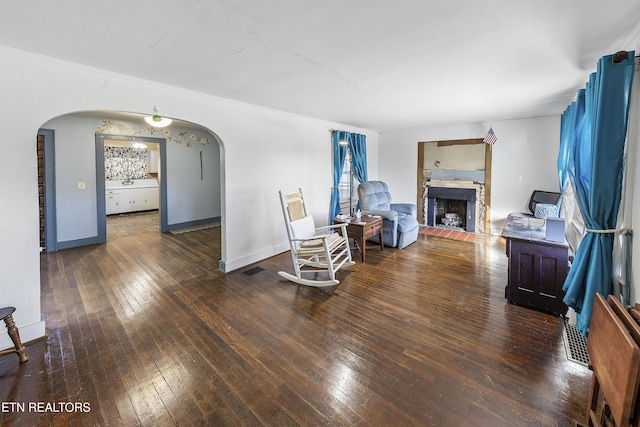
column 452, row 208
column 451, row 213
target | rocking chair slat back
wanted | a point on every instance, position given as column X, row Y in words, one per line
column 295, row 206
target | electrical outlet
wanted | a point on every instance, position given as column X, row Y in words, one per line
column 81, row 185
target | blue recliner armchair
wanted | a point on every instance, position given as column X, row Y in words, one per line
column 400, row 225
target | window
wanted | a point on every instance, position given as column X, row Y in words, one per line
column 348, row 187
column 349, row 167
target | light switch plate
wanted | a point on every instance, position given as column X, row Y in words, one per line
column 81, row 185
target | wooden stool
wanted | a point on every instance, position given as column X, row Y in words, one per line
column 6, row 314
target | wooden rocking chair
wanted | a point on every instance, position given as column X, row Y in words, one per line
column 313, row 250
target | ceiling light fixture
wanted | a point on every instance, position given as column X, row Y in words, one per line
column 156, row 120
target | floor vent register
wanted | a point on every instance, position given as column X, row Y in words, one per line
column 575, row 344
column 252, row 271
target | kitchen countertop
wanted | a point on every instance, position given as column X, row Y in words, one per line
column 136, row 183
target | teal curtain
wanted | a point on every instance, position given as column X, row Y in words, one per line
column 339, row 154
column 596, row 174
column 357, row 143
column 358, row 147
column 569, row 131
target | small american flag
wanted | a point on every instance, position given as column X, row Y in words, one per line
column 490, row 138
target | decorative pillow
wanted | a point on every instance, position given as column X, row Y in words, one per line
column 303, row 228
column 544, row 210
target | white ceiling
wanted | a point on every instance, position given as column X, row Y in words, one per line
column 378, row 64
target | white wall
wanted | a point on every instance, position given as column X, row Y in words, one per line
column 524, row 159
column 631, row 203
column 262, row 151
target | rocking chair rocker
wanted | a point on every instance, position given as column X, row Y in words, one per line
column 314, row 250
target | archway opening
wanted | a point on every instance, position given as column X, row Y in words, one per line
column 190, row 168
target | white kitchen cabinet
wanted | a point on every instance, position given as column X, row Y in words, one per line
column 131, row 200
column 113, row 202
column 151, row 198
column 153, row 157
column 142, row 195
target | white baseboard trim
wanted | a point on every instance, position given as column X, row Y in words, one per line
column 229, row 266
column 27, row 333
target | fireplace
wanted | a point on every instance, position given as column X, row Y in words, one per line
column 452, row 207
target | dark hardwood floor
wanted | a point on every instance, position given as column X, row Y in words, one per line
column 144, row 330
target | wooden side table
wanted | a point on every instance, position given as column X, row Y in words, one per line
column 6, row 314
column 360, row 230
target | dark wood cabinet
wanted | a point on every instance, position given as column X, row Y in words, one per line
column 537, row 267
